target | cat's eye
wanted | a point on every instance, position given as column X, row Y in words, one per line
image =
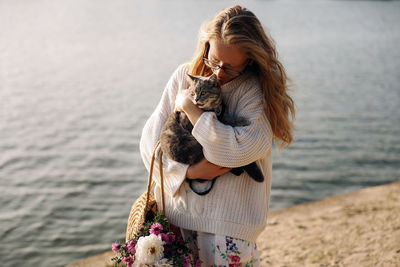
column 202, row 93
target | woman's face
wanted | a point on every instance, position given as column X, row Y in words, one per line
column 228, row 56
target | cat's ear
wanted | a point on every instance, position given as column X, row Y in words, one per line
column 193, row 77
column 213, row 78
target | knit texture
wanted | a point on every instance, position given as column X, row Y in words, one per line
column 237, row 206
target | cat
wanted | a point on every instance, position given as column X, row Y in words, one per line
column 178, row 143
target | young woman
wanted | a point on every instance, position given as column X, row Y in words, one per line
column 225, row 223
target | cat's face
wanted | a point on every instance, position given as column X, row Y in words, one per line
column 206, row 92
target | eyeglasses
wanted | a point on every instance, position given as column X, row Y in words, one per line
column 215, row 66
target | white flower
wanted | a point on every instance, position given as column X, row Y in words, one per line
column 149, row 249
column 164, row 263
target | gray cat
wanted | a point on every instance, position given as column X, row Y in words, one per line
column 178, row 143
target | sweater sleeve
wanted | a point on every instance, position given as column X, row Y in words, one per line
column 174, row 172
column 232, row 147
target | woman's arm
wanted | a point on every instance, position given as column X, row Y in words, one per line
column 229, row 146
column 205, row 170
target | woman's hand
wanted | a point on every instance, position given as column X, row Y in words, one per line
column 205, row 170
column 191, row 109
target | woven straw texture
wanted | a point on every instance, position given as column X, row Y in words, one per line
column 138, row 214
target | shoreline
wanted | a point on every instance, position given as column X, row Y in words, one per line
column 361, row 228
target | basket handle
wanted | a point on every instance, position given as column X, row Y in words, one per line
column 150, row 183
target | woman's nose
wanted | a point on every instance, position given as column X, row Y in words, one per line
column 220, row 73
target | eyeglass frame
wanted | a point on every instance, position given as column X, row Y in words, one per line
column 231, row 72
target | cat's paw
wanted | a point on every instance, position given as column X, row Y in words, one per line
column 237, row 171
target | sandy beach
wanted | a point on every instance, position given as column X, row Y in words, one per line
column 361, row 228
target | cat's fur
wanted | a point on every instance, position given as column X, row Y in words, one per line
column 177, row 141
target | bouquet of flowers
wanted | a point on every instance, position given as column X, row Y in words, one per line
column 155, row 245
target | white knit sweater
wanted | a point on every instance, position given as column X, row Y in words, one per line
column 236, row 206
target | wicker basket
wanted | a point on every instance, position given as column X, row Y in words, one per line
column 145, row 207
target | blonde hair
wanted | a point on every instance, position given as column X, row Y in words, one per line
column 239, row 26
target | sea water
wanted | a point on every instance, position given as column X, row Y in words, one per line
column 79, row 78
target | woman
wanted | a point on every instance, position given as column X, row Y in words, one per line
column 225, row 223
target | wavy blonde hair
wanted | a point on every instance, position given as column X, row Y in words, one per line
column 239, row 26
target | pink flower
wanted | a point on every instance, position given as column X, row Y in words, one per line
column 115, row 247
column 198, row 263
column 131, row 247
column 164, row 238
column 235, row 259
column 187, row 261
column 156, row 229
column 168, row 238
column 128, row 261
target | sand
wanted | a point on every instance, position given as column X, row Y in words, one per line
column 357, row 229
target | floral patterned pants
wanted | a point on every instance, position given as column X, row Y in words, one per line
column 222, row 251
